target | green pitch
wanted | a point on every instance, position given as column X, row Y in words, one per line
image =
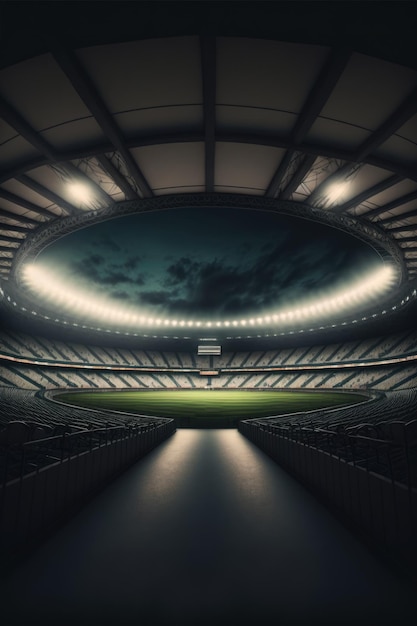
column 205, row 408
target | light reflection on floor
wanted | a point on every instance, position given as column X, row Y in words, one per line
column 206, row 530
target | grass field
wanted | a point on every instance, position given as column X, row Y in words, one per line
column 205, row 408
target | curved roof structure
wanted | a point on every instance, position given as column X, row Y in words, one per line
column 319, row 112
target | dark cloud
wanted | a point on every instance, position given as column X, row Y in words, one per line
column 114, row 278
column 120, row 295
column 101, row 271
column 158, row 298
column 88, row 268
column 280, row 275
column 132, row 262
column 180, row 271
column 95, row 259
column 237, row 264
column 107, row 243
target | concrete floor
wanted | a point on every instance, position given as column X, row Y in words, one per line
column 205, row 530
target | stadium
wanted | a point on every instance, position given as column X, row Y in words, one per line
column 208, row 295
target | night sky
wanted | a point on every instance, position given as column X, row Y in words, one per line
column 208, row 262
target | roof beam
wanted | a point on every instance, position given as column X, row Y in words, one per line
column 7, row 249
column 83, row 85
column 19, row 218
column 208, row 70
column 22, row 168
column 368, row 193
column 406, row 171
column 298, row 177
column 320, row 92
column 401, row 115
column 117, row 176
column 316, row 99
column 404, row 239
column 11, row 239
column 15, row 229
column 46, row 193
column 10, row 197
column 273, row 187
column 409, row 197
column 16, row 121
column 402, row 229
column 398, row 218
column 83, row 152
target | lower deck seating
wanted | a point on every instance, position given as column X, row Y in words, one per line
column 379, row 435
column 35, row 431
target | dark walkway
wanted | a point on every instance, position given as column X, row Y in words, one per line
column 205, row 530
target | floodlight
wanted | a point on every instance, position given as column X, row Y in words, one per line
column 50, row 287
column 335, row 192
column 80, row 192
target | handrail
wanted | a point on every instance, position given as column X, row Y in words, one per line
column 21, row 459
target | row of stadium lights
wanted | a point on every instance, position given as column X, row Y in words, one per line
column 334, row 194
column 403, row 302
column 50, row 287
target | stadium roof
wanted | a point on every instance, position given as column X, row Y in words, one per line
column 149, row 100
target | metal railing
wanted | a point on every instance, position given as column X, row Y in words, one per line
column 16, row 461
column 392, row 459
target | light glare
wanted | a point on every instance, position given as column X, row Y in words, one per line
column 81, row 303
column 80, row 192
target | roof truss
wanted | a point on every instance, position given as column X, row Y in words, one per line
column 369, row 193
column 83, row 85
column 46, row 193
column 317, row 98
column 404, row 112
column 10, row 197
